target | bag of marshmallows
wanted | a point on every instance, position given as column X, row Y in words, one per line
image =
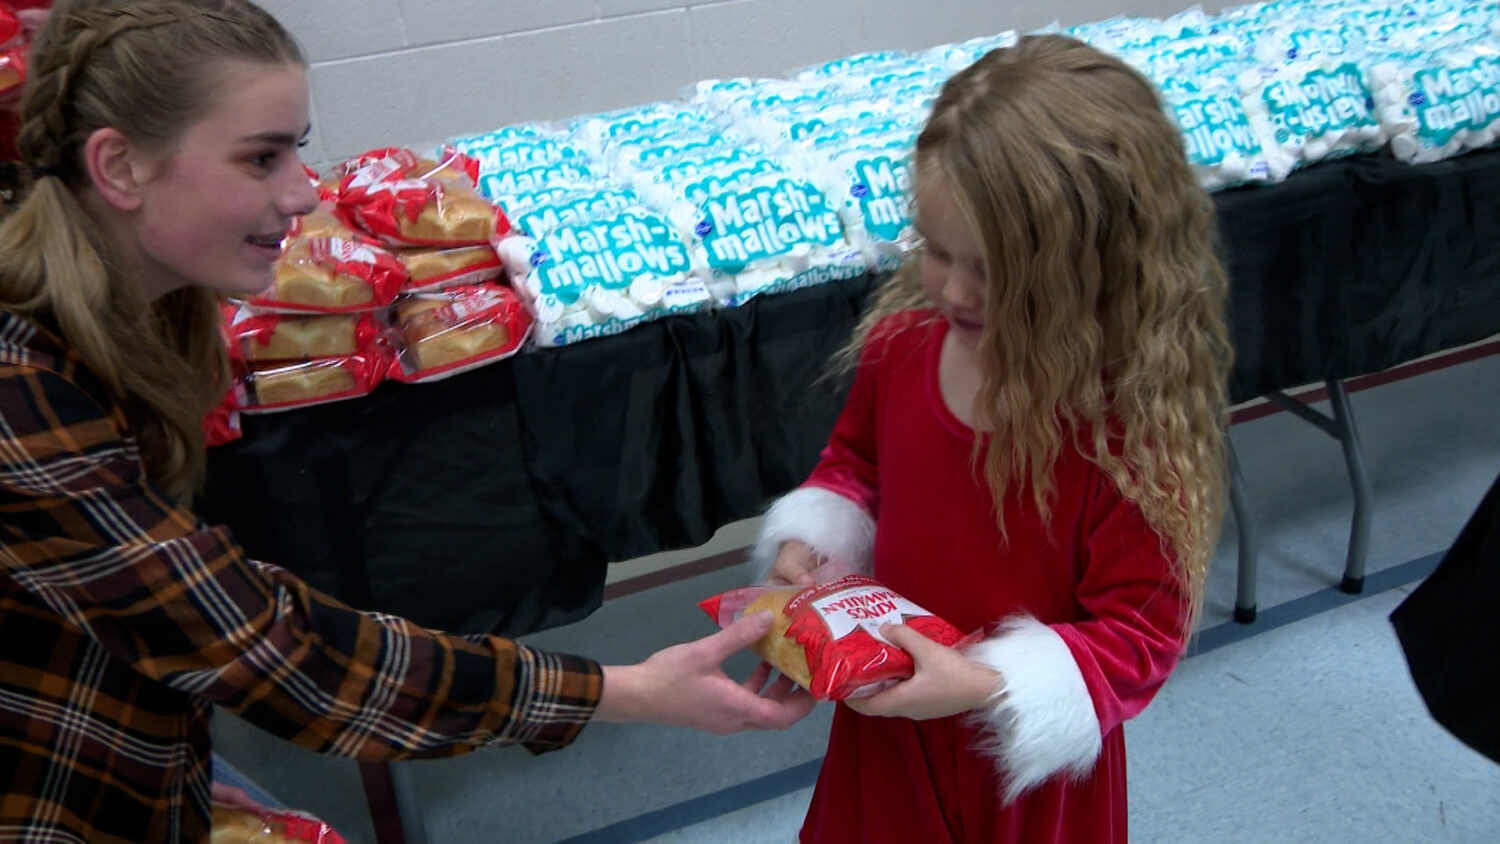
column 827, row 637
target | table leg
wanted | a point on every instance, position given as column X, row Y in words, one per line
column 392, row 800
column 1359, row 529
column 1249, row 549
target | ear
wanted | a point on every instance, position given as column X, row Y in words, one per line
column 116, row 167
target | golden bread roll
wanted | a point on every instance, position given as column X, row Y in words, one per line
column 776, row 647
column 301, row 280
column 425, row 264
column 301, row 383
column 455, row 215
column 447, row 171
column 434, row 338
column 307, row 337
column 322, row 222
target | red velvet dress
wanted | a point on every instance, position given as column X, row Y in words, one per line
column 1095, row 573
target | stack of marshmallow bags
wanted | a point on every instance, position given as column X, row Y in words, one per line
column 745, row 187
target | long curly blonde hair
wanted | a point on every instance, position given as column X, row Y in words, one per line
column 148, row 68
column 1105, row 310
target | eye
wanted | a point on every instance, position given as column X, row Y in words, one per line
column 264, row 161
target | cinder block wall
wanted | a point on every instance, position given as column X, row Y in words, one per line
column 411, row 72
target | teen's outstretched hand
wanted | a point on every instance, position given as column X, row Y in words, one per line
column 945, row 683
column 685, row 686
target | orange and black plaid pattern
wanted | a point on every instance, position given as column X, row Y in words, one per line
column 124, row 620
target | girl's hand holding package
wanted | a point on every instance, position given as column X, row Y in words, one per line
column 946, row 682
column 794, row 565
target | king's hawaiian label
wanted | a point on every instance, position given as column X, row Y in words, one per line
column 751, row 224
column 862, row 607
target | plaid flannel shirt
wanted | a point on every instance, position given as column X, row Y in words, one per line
column 123, row 620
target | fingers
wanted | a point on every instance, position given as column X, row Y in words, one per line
column 790, row 572
column 873, row 705
column 778, row 715
column 757, row 680
column 794, row 564
column 779, row 690
column 737, row 636
column 909, row 640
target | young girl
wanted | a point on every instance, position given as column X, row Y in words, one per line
column 162, row 135
column 1031, row 446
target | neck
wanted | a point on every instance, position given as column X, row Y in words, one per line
column 124, row 251
column 959, row 379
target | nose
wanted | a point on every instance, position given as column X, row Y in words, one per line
column 300, row 195
column 960, row 292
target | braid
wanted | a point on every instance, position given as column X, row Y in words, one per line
column 47, row 131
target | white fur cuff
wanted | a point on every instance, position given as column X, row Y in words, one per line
column 833, row 525
column 1043, row 722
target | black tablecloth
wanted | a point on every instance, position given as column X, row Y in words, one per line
column 492, row 501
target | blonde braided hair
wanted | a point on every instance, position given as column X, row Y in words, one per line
column 149, row 69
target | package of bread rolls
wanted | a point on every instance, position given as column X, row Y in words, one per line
column 222, row 424
column 827, row 637
column 254, row 335
column 454, row 330
column 428, row 270
column 449, row 165
column 331, row 275
column 239, row 825
column 325, row 221
column 266, row 387
column 404, row 200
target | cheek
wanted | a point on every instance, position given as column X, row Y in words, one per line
column 930, row 272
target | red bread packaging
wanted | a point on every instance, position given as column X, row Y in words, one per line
column 282, row 386
column 324, row 221
column 12, row 68
column 827, row 637
column 240, row 825
column 331, row 275
column 435, row 269
column 222, row 424
column 265, row 336
column 455, row 330
column 404, row 200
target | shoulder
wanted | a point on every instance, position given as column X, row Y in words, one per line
column 31, row 353
column 48, row 421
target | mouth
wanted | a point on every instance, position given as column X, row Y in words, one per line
column 269, row 245
column 965, row 325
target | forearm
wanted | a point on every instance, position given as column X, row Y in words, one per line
column 375, row 687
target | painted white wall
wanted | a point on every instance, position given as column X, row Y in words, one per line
column 411, row 72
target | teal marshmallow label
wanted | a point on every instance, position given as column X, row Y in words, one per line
column 765, row 222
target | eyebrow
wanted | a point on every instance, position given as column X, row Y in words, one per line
column 278, row 138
